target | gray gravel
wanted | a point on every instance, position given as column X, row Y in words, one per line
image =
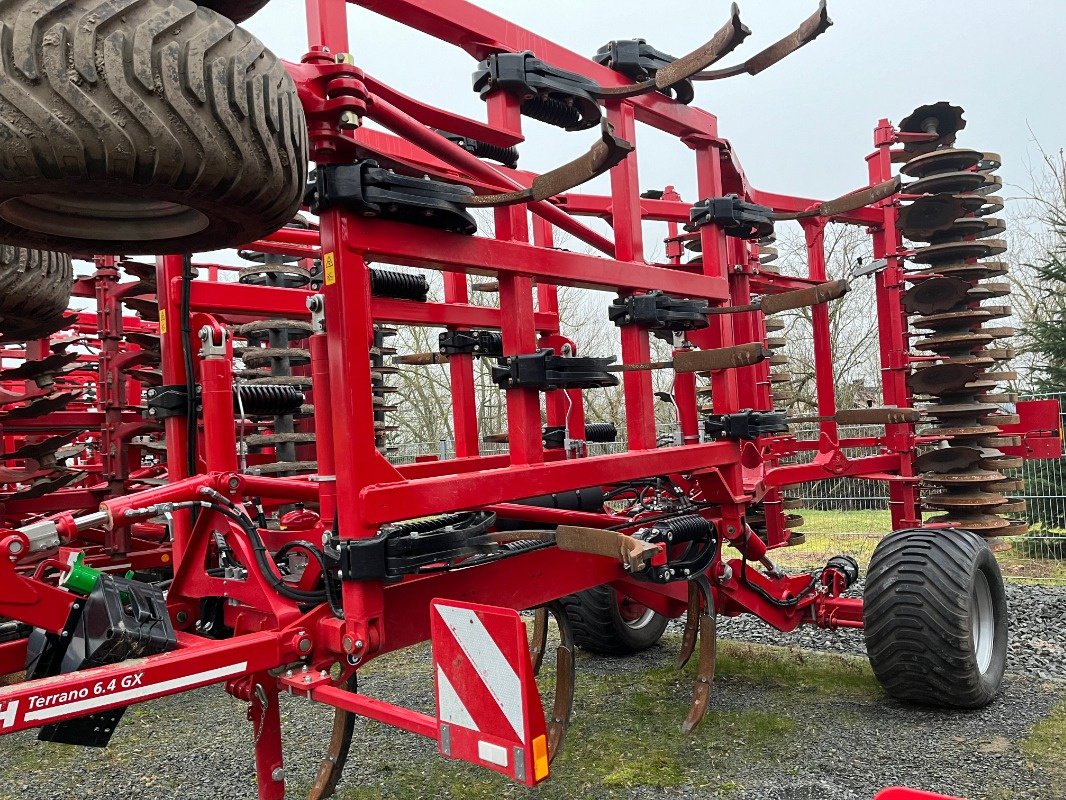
column 1037, row 644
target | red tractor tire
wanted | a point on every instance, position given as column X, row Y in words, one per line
column 935, row 618
column 606, row 622
column 152, row 126
column 34, row 292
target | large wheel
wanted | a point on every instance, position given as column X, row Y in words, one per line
column 236, row 10
column 142, row 126
column 935, row 617
column 34, row 292
column 607, row 622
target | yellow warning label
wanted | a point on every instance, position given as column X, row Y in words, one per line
column 162, row 321
column 329, row 264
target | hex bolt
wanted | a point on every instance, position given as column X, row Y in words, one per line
column 278, row 774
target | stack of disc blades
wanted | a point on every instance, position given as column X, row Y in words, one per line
column 380, row 370
column 275, row 350
column 951, row 279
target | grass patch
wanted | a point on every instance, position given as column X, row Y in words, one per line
column 626, row 735
column 856, row 533
column 1046, row 747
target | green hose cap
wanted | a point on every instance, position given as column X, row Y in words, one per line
column 81, row 578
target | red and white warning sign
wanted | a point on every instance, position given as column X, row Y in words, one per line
column 488, row 704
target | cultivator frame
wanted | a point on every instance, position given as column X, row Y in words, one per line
column 292, row 636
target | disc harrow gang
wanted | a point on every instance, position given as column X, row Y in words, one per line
column 948, row 215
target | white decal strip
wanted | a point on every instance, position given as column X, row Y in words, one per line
column 129, row 695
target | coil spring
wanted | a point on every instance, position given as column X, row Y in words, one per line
column 268, row 400
column 404, row 285
column 508, row 156
column 474, row 520
column 601, row 432
column 551, row 111
column 687, row 528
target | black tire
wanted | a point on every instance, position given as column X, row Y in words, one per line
column 34, row 292
column 600, row 627
column 142, row 126
column 935, row 618
column 236, row 10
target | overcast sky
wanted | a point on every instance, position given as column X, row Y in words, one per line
column 802, row 126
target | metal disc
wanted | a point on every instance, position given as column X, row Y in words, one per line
column 929, row 214
column 947, row 459
column 941, row 160
column 978, row 523
column 943, row 119
column 952, row 319
column 969, row 272
column 969, row 499
column 951, row 342
column 954, row 182
column 957, row 251
column 148, row 309
column 935, row 295
column 941, row 379
column 990, row 162
column 975, row 227
column 993, row 183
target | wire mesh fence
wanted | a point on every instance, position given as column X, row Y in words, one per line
column 850, row 516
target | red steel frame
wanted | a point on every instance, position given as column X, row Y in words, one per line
column 358, row 490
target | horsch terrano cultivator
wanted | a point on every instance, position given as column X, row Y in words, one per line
column 198, row 486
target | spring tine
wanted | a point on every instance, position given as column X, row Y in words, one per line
column 563, row 705
column 609, row 151
column 701, row 692
column 809, row 30
column 852, row 201
column 332, row 764
column 802, row 298
column 692, row 616
column 539, row 639
column 743, row 355
column 725, row 40
column 420, row 359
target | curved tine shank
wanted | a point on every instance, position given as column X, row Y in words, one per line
column 692, row 616
column 809, row 30
column 632, row 553
column 725, row 40
column 852, row 201
column 538, row 640
column 563, row 704
column 742, row 355
column 340, row 742
column 802, row 298
column 609, row 151
column 701, row 692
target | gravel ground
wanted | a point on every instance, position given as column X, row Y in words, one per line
column 828, row 744
column 1037, row 645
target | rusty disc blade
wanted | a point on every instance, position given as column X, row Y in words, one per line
column 976, row 227
column 970, row 499
column 974, row 476
column 953, row 182
column 959, row 251
column 972, row 411
column 978, row 523
column 31, row 370
column 939, row 161
column 981, row 205
column 927, row 215
column 993, row 183
column 38, row 450
column 965, row 271
column 46, row 485
column 936, row 295
column 988, row 291
column 952, row 320
column 952, row 342
column 39, row 406
column 775, row 324
column 148, row 309
column 145, row 341
column 143, row 272
column 962, row 431
column 942, row 119
column 947, row 459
